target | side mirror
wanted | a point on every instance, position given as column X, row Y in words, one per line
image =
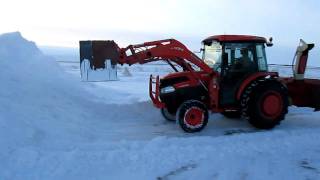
column 269, row 43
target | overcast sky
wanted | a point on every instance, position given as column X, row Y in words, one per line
column 65, row 22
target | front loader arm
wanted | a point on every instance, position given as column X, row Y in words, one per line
column 168, row 49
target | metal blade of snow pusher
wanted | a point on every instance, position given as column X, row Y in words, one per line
column 98, row 60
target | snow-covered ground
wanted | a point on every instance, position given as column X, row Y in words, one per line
column 53, row 126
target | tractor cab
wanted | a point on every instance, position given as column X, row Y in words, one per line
column 235, row 57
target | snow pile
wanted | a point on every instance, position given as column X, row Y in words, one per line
column 13, row 46
column 39, row 103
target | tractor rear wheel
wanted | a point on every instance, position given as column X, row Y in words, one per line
column 192, row 116
column 167, row 115
column 265, row 103
column 232, row 114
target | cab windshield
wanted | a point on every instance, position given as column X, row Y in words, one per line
column 212, row 55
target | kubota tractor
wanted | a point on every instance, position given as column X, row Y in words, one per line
column 232, row 78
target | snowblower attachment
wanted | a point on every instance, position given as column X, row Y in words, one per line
column 303, row 92
column 98, row 60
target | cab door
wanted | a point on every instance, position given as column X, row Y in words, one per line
column 239, row 62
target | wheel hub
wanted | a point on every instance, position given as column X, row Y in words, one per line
column 194, row 117
column 272, row 104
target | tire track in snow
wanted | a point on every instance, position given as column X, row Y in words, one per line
column 177, row 171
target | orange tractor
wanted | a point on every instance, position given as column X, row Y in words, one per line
column 231, row 78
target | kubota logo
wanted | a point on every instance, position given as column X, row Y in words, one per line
column 177, row 48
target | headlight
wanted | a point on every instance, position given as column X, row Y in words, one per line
column 167, row 89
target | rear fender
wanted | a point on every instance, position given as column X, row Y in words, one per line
column 251, row 78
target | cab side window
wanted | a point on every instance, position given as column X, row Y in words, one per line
column 261, row 58
column 240, row 56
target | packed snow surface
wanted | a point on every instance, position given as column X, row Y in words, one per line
column 53, row 126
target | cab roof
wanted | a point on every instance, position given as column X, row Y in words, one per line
column 235, row 38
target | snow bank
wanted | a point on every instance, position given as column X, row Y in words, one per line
column 39, row 103
column 13, row 46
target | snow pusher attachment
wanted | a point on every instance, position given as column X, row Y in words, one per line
column 98, row 60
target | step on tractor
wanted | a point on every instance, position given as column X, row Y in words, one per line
column 231, row 78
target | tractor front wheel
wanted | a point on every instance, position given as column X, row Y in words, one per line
column 192, row 116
